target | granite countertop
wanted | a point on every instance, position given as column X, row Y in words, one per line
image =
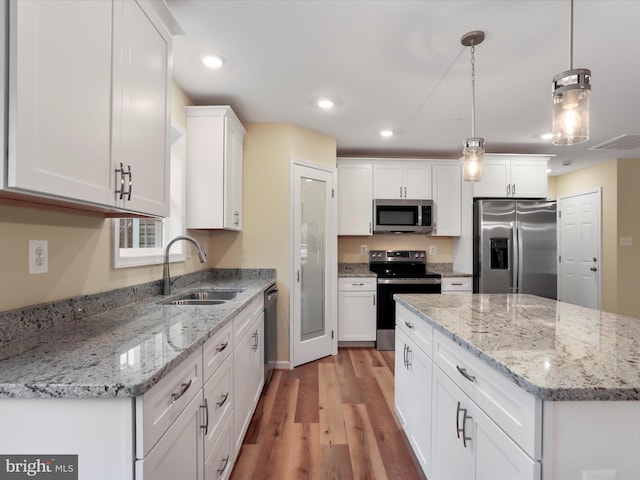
column 553, row 350
column 354, row 270
column 446, row 270
column 121, row 352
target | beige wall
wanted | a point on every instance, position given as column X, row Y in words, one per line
column 264, row 240
column 628, row 281
column 80, row 253
column 349, row 247
column 604, row 175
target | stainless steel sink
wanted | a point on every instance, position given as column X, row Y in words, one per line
column 193, row 301
column 203, row 296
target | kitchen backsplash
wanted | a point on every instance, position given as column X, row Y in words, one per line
column 349, row 248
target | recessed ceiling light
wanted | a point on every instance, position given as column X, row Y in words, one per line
column 325, row 103
column 213, row 61
column 546, row 136
column 386, row 133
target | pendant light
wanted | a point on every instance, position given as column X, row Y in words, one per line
column 473, row 151
column 570, row 100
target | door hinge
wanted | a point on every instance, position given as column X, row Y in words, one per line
column 559, row 213
column 332, row 193
column 559, row 258
column 331, row 334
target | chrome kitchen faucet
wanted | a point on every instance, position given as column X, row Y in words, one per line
column 166, row 278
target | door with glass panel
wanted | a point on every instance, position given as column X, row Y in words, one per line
column 313, row 260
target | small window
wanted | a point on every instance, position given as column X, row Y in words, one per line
column 139, row 241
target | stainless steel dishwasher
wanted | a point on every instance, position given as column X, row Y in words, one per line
column 270, row 332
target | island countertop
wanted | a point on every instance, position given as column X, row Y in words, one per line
column 554, row 350
column 121, row 352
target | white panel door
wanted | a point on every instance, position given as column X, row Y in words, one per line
column 579, row 249
column 388, row 181
column 447, row 200
column 314, row 257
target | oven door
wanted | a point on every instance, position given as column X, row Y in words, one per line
column 386, row 314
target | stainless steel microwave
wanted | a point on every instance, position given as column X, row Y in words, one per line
column 402, row 216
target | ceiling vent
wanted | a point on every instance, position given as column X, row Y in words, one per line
column 622, row 142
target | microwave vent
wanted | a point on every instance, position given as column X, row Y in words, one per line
column 621, row 142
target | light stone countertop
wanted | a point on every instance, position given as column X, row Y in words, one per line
column 354, row 270
column 553, row 350
column 121, row 352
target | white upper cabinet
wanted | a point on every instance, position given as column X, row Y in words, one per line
column 517, row 176
column 214, row 168
column 447, row 199
column 402, row 179
column 355, row 198
column 88, row 90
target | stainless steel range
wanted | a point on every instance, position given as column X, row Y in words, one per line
column 399, row 271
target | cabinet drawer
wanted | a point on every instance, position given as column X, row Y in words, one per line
column 219, row 463
column 216, row 350
column 417, row 329
column 517, row 413
column 347, row 284
column 456, row 284
column 157, row 409
column 218, row 396
column 242, row 322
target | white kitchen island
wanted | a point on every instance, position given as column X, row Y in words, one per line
column 517, row 387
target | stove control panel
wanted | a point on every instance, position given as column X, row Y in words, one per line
column 397, row 256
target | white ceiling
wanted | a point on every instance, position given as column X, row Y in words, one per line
column 400, row 65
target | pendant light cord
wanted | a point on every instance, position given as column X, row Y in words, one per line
column 473, row 90
column 571, row 40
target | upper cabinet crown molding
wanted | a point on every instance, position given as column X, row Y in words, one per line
column 88, row 91
column 215, row 139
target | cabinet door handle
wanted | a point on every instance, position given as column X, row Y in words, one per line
column 130, row 183
column 369, row 227
column 508, row 190
column 225, row 462
column 462, row 430
column 183, row 388
column 224, row 399
column 410, row 325
column 513, row 189
column 206, row 414
column 405, row 192
column 409, row 352
column 404, row 356
column 122, row 174
column 374, row 299
column 222, row 346
column 465, row 374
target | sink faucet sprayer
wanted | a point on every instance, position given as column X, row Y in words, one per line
column 166, row 278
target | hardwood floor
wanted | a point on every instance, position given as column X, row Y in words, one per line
column 329, row 419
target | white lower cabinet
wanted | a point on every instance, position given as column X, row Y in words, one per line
column 455, row 411
column 178, row 454
column 413, row 370
column 467, row 444
column 356, row 309
column 457, row 285
column 248, row 368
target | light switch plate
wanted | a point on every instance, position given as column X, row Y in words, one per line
column 626, row 241
column 432, row 250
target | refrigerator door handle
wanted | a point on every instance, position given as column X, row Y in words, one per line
column 515, row 257
column 520, row 248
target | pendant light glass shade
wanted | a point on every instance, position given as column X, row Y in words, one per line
column 473, row 151
column 473, row 154
column 570, row 99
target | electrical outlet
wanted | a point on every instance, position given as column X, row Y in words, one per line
column 38, row 256
column 432, row 249
column 363, row 249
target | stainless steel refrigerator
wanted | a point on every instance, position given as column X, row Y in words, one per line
column 515, row 247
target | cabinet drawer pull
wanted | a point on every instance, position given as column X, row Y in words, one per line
column 222, row 347
column 224, row 400
column 465, row 374
column 358, row 284
column 410, row 325
column 206, row 415
column 183, row 388
column 225, row 462
column 457, row 284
